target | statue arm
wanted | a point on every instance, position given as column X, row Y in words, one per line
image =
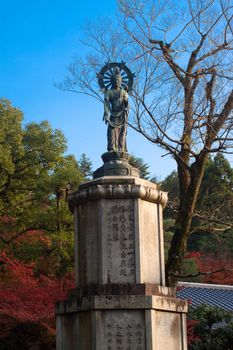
column 107, row 110
column 126, row 102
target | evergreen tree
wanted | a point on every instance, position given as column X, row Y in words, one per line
column 35, row 177
column 85, row 166
column 143, row 167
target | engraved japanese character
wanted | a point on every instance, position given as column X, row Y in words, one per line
column 129, row 341
column 123, row 272
column 115, row 236
column 131, row 235
column 123, row 246
column 131, row 246
column 122, row 209
column 114, row 209
column 123, row 255
column 138, row 333
column 130, row 216
column 114, row 218
column 123, row 237
column 131, row 262
column 122, row 218
column 123, row 263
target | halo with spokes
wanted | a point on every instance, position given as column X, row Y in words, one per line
column 106, row 73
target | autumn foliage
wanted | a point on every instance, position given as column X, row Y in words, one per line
column 213, row 268
column 26, row 297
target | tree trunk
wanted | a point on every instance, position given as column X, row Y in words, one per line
column 59, row 197
column 184, row 219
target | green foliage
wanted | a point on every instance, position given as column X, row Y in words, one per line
column 143, row 167
column 168, row 225
column 189, row 265
column 216, row 191
column 215, row 203
column 208, row 337
column 211, row 227
column 85, row 166
column 211, row 243
column 10, row 140
column 171, row 185
column 35, row 178
column 189, row 270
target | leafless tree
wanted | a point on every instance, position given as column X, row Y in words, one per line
column 183, row 97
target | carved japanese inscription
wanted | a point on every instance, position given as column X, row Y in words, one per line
column 120, row 242
column 124, row 331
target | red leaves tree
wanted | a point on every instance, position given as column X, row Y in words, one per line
column 26, row 297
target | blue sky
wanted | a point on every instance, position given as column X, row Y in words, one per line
column 38, row 40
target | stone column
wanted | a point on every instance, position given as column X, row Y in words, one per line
column 120, row 301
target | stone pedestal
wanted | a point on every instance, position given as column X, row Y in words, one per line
column 120, row 301
column 122, row 322
column 119, row 233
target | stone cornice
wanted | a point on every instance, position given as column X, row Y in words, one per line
column 124, row 302
column 117, row 188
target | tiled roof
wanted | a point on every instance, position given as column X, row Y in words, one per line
column 212, row 294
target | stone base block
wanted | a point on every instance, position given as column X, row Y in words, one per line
column 116, row 164
column 122, row 323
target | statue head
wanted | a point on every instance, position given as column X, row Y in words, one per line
column 116, row 78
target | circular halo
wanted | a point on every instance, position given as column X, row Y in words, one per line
column 106, row 73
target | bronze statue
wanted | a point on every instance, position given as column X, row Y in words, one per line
column 115, row 79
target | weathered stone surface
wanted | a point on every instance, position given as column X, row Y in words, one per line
column 116, row 187
column 123, row 330
column 120, row 301
column 122, row 322
column 88, row 253
column 123, row 289
column 118, row 232
column 149, row 243
column 119, row 241
column 168, row 330
column 74, row 331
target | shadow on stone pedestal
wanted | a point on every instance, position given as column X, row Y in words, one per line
column 116, row 164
